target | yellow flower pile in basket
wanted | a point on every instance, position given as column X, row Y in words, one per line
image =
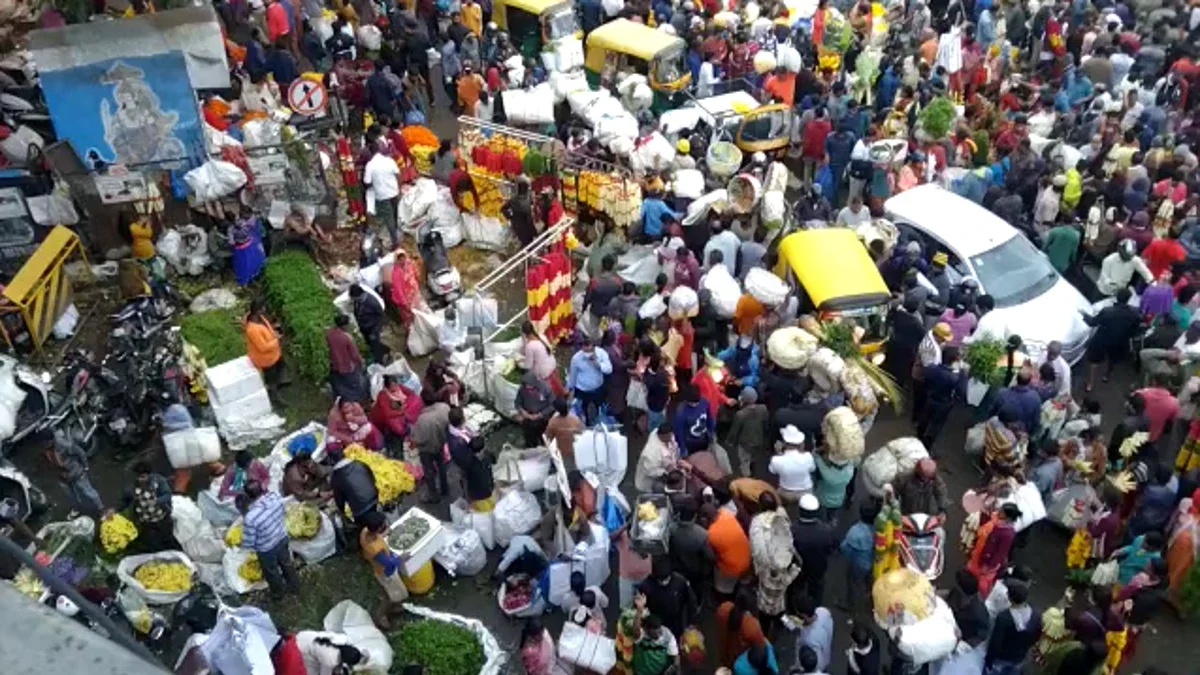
column 392, row 479
column 251, row 570
column 163, row 575
column 302, row 520
column 116, row 533
column 233, row 536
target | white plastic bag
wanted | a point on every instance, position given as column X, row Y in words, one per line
column 773, row 209
column 196, row 535
column 215, row 179
column 683, row 302
column 603, row 452
column 483, row 524
column 517, row 512
column 130, row 564
column 463, row 554
column 585, row 649
column 192, row 447
column 241, row 642
column 369, row 37
column 416, row 201
column 356, row 623
column 766, row 287
column 1029, row 500
column 527, row 468
column 52, row 209
column 931, row 638
column 423, row 333
column 483, row 232
column 219, row 512
column 725, row 291
column 688, row 183
column 318, row 547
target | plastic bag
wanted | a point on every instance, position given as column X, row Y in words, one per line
column 585, row 649
column 129, row 565
column 975, row 440
column 931, row 638
column 369, row 37
column 517, row 512
column 318, row 547
column 483, row 524
column 773, row 209
column 196, row 535
column 416, row 201
column 604, row 452
column 683, row 302
column 52, row 209
column 483, row 232
column 725, row 290
column 192, row 447
column 463, row 554
column 825, row 368
column 1106, row 574
column 423, row 333
column 215, row 179
column 230, row 563
column 791, row 347
column 766, row 287
column 241, row 642
column 356, row 624
column 689, row 183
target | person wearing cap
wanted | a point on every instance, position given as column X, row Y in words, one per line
column 793, row 464
column 747, row 435
column 683, row 155
column 929, row 354
column 1118, row 268
column 941, row 283
column 815, row 542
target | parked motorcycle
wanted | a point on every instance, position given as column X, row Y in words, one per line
column 31, row 405
column 31, row 502
column 922, row 543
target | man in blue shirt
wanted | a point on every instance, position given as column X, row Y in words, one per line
column 695, row 424
column 858, row 548
column 586, row 377
column 1021, row 402
column 264, row 531
column 654, row 210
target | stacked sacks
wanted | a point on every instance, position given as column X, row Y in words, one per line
column 897, row 458
column 843, row 435
column 791, row 347
column 860, row 395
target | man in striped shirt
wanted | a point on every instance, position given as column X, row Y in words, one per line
column 264, row 531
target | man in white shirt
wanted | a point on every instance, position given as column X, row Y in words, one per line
column 1118, row 269
column 853, row 214
column 794, row 465
column 727, row 243
column 1062, row 369
column 382, row 178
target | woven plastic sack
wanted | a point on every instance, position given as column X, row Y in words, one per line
column 318, row 547
column 907, row 451
column 683, row 303
column 230, row 563
column 195, row 534
column 932, row 638
column 791, row 347
column 766, row 287
column 463, row 554
column 129, row 565
column 744, row 192
column 902, row 597
column 688, row 183
column 482, row 524
column 825, row 367
column 843, row 435
column 860, row 393
column 517, row 512
column 773, row 210
column 878, row 469
column 725, row 290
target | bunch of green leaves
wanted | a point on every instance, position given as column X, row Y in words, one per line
column 298, row 296
column 937, row 117
column 839, row 337
column 441, row 648
column 982, row 148
column 216, row 333
column 1189, row 592
column 983, row 359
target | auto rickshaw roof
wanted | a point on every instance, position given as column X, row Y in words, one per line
column 533, row 6
column 633, row 38
column 834, row 268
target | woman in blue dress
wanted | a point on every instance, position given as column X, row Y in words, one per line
column 245, row 239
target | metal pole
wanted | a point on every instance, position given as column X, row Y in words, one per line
column 119, row 635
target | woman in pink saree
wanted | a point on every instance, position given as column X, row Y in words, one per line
column 537, row 650
column 405, row 289
column 395, row 411
column 348, row 424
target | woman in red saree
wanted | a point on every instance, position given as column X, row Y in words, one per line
column 992, row 546
column 395, row 411
column 348, row 424
column 405, row 291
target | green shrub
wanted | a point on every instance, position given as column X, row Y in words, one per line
column 937, row 117
column 216, row 333
column 298, row 296
column 442, row 648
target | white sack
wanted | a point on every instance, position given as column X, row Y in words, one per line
column 215, row 179
column 725, row 290
column 767, row 288
column 129, row 565
column 356, row 623
column 198, row 538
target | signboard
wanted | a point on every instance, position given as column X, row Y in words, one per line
column 307, row 97
column 269, row 169
column 120, row 189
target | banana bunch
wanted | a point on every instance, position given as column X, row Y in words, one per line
column 233, row 536
column 116, row 532
column 302, row 520
column 423, row 156
column 392, row 480
column 251, row 570
column 162, row 575
column 490, row 198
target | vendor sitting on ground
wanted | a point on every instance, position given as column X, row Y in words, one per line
column 442, row 382
column 245, row 469
column 348, row 424
column 395, row 411
column 304, row 479
column 299, row 230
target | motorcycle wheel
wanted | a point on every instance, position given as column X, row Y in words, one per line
column 38, row 502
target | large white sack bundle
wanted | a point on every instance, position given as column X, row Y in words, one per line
column 725, row 291
column 788, row 57
column 415, row 201
column 764, row 62
column 843, row 435
column 878, row 469
column 566, row 83
column 773, row 209
column 697, row 211
column 130, row 564
column 214, row 179
column 908, row 451
column 683, row 303
column 860, row 393
column 825, row 367
column 654, row 154
column 530, row 106
column 688, row 183
column 423, row 333
column 777, row 178
column 931, row 638
column 767, row 288
column 791, row 347
column 369, row 37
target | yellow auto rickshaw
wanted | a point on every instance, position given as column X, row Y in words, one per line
column 752, row 126
column 624, row 45
column 834, row 276
column 531, row 24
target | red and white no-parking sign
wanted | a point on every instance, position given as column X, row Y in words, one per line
column 307, row 97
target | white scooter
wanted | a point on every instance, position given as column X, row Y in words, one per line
column 922, row 543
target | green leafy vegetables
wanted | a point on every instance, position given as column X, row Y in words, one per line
column 983, row 358
column 441, row 648
column 216, row 333
column 937, row 117
column 297, row 294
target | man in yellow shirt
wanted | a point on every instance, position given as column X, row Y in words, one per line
column 472, row 17
column 386, row 565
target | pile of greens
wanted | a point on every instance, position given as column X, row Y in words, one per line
column 298, row 296
column 442, row 648
column 983, row 358
column 216, row 333
column 937, row 117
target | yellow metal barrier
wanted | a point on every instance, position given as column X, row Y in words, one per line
column 41, row 290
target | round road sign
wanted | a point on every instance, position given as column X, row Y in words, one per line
column 307, row 97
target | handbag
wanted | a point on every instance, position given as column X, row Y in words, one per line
column 585, row 649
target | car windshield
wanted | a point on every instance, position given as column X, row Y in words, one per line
column 563, row 24
column 1014, row 272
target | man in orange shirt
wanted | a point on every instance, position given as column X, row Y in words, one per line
column 781, row 85
column 262, row 345
column 470, row 86
column 730, row 544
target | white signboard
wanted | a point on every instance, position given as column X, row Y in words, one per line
column 120, row 189
column 269, row 169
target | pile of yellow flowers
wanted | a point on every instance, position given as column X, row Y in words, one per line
column 233, row 536
column 162, row 575
column 392, row 480
column 251, row 570
column 27, row 583
column 423, row 156
column 490, row 198
column 116, row 532
column 1079, row 549
column 302, row 520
